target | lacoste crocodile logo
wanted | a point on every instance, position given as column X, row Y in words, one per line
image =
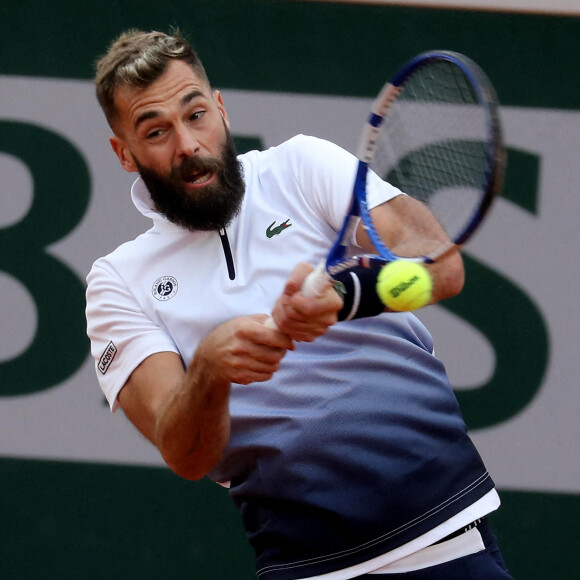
column 275, row 230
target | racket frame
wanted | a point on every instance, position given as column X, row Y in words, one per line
column 493, row 177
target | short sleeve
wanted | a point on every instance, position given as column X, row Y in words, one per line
column 121, row 334
column 326, row 174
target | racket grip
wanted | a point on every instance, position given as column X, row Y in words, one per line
column 313, row 285
column 316, row 282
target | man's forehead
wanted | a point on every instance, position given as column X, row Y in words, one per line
column 153, row 112
column 177, row 87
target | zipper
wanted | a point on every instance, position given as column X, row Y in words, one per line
column 228, row 254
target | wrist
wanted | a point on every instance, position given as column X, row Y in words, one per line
column 358, row 289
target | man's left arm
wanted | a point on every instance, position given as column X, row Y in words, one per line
column 408, row 228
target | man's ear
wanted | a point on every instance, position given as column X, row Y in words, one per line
column 122, row 151
column 221, row 107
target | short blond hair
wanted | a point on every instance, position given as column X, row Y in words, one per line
column 137, row 59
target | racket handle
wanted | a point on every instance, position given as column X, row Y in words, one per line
column 316, row 282
column 271, row 324
column 313, row 285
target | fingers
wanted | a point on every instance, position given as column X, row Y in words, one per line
column 302, row 322
column 305, row 318
column 243, row 350
column 296, row 279
column 269, row 335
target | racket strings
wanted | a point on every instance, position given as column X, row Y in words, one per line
column 433, row 145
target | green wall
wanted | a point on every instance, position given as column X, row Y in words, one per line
column 82, row 519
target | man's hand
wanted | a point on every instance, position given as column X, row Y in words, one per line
column 243, row 350
column 305, row 319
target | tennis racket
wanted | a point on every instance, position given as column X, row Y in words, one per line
column 433, row 132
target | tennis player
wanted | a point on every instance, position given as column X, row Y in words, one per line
column 341, row 442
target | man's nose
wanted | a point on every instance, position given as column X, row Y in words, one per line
column 187, row 145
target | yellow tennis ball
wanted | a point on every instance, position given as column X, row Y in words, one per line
column 403, row 285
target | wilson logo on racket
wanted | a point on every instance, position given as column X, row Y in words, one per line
column 274, row 230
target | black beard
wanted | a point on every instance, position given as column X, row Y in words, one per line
column 208, row 208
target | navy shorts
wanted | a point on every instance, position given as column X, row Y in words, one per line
column 485, row 565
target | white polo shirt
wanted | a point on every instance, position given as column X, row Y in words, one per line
column 170, row 278
column 356, row 448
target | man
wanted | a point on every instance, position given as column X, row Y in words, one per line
column 341, row 442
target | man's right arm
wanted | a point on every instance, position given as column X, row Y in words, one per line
column 185, row 412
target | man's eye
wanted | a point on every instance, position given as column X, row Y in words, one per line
column 154, row 134
column 197, row 115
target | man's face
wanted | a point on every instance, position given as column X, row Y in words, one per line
column 176, row 134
